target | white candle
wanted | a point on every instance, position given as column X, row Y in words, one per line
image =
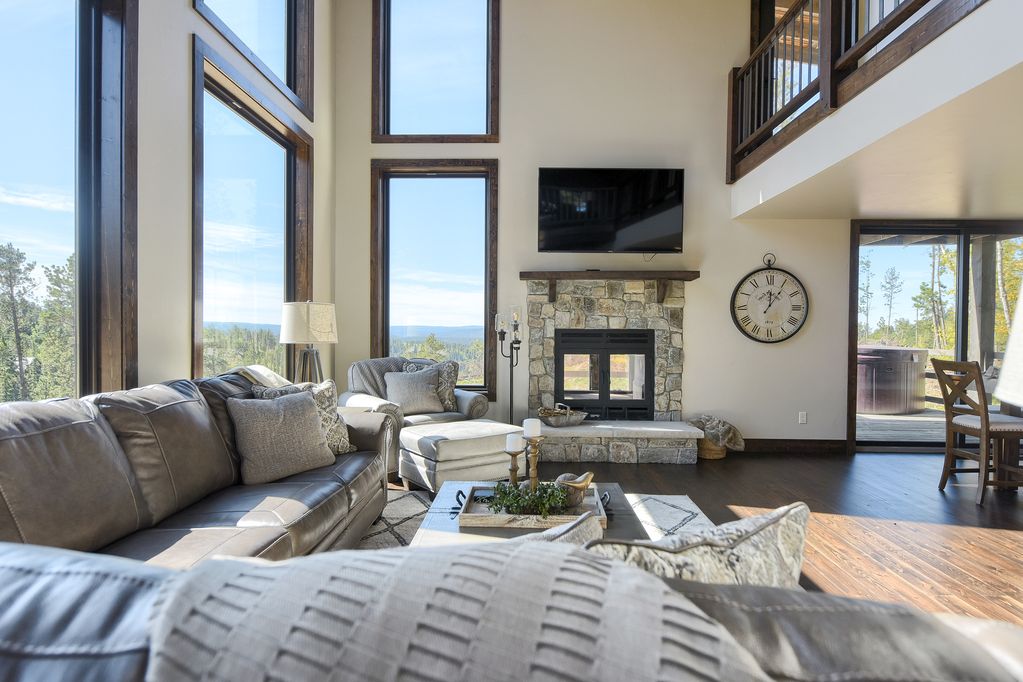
column 514, row 443
column 531, row 428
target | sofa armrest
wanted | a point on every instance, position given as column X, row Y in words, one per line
column 472, row 404
column 373, row 403
column 376, row 432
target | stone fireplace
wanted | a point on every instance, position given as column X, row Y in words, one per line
column 608, row 373
column 608, row 302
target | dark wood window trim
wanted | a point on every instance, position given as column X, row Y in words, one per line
column 298, row 87
column 381, row 80
column 106, row 198
column 382, row 170
column 211, row 72
column 964, row 229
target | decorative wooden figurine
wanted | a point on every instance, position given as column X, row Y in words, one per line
column 575, row 486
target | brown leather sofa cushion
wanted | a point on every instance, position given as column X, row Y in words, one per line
column 306, row 510
column 217, row 391
column 64, row 480
column 185, row 547
column 172, row 442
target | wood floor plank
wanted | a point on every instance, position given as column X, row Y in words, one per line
column 879, row 528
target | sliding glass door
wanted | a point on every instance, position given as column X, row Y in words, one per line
column 942, row 290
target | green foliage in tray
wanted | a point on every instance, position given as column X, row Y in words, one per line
column 508, row 499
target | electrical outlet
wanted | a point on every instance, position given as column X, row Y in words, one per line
column 802, row 417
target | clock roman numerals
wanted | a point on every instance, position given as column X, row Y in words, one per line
column 793, row 320
column 746, row 319
column 743, row 307
column 797, row 307
column 774, row 306
column 770, row 280
column 755, row 329
column 793, row 294
column 754, row 283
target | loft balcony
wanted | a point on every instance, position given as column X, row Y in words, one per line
column 834, row 80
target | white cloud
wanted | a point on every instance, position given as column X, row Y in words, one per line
column 433, row 277
column 229, row 238
column 238, row 300
column 413, row 304
column 45, row 200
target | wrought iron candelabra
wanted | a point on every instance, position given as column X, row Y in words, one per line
column 501, row 323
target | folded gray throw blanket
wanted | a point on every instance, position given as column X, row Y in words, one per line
column 502, row 611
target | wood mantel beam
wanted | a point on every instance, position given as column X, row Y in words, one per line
column 662, row 277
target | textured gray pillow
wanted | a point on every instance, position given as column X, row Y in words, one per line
column 764, row 550
column 416, row 392
column 331, row 423
column 447, row 380
column 278, row 438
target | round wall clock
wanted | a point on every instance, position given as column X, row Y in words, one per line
column 769, row 304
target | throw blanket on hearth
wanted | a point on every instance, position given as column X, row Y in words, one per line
column 508, row 611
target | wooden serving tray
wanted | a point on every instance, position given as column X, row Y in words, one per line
column 476, row 514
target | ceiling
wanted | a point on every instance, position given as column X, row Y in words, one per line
column 963, row 159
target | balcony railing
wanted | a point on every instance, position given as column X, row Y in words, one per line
column 820, row 54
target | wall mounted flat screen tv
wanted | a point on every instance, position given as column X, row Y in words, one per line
column 611, row 210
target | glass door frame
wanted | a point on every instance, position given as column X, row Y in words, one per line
column 964, row 231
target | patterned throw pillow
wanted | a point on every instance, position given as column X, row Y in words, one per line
column 764, row 550
column 448, row 371
column 333, row 426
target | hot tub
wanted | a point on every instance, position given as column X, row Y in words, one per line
column 890, row 380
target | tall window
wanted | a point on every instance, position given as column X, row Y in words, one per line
column 276, row 36
column 59, row 276
column 251, row 234
column 434, row 241
column 436, row 70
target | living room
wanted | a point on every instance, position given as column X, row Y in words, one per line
column 402, row 166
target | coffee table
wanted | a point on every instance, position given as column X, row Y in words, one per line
column 440, row 525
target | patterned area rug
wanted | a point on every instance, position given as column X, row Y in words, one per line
column 399, row 522
column 660, row 514
column 667, row 514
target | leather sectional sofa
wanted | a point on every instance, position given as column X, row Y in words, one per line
column 153, row 474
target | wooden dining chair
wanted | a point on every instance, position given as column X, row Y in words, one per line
column 970, row 416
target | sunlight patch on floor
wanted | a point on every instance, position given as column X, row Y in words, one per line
column 935, row 567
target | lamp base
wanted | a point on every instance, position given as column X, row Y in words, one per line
column 308, row 367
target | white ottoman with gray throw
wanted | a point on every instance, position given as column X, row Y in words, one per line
column 455, row 451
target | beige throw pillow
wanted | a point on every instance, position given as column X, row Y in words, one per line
column 279, row 437
column 335, row 431
column 415, row 392
column 762, row 550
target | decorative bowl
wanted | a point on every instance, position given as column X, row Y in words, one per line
column 558, row 418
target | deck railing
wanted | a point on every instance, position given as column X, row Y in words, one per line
column 797, row 70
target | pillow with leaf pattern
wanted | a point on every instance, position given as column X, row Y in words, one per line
column 325, row 395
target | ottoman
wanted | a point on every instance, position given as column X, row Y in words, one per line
column 470, row 450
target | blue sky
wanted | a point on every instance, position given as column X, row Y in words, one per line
column 439, row 78
column 914, row 264
column 37, row 151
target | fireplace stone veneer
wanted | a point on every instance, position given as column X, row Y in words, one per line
column 607, row 304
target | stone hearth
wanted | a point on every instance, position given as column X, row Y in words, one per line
column 608, row 304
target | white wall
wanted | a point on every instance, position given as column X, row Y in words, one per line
column 165, row 174
column 616, row 83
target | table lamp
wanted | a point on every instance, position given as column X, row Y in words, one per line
column 308, row 323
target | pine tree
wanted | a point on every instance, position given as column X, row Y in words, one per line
column 54, row 335
column 891, row 286
column 17, row 309
column 866, row 291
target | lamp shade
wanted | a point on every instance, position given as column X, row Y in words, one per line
column 1010, row 376
column 308, row 322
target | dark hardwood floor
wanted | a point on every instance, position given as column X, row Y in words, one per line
column 880, row 529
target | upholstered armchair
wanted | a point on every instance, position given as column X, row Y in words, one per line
column 367, row 388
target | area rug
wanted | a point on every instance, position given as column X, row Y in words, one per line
column 667, row 514
column 399, row 522
column 660, row 514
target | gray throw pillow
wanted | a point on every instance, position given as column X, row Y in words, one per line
column 448, row 379
column 764, row 550
column 415, row 392
column 335, row 431
column 278, row 438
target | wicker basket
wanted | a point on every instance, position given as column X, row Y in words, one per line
column 566, row 417
column 707, row 450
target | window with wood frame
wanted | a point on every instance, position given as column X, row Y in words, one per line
column 252, row 237
column 434, row 225
column 276, row 36
column 436, row 70
column 67, row 198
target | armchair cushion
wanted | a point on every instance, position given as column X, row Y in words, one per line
column 415, row 392
column 447, row 372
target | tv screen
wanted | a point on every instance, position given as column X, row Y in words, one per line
column 611, row 210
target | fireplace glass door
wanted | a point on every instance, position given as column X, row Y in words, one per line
column 606, row 373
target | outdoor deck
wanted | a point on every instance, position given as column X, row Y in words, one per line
column 927, row 426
